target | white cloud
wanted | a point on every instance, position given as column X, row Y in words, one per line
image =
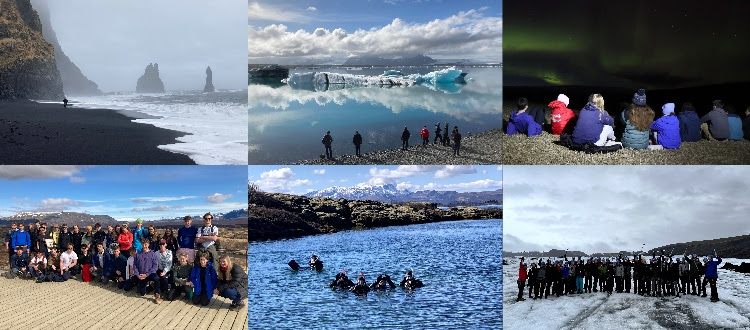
column 312, row 9
column 280, row 174
column 499, row 167
column 20, row 172
column 407, row 186
column 218, row 198
column 469, row 32
column 160, row 199
column 450, row 171
column 272, row 12
column 280, row 180
column 479, row 185
column 75, row 179
column 321, row 171
column 56, row 204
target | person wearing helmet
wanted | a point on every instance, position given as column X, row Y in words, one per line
column 532, row 278
column 684, row 274
column 705, row 280
column 696, row 272
column 409, row 282
column 541, row 280
column 382, row 283
column 627, row 265
column 619, row 275
column 361, row 288
column 590, row 275
column 712, row 275
column 316, row 263
column 342, row 281
column 521, row 279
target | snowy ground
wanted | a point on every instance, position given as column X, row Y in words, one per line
column 630, row 311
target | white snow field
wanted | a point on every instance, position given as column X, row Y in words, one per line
column 628, row 310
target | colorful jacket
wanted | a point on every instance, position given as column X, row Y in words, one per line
column 690, row 126
column 20, row 238
column 590, row 124
column 562, row 118
column 523, row 123
column 711, row 268
column 146, row 263
column 668, row 131
column 735, row 127
column 211, row 279
column 138, row 235
column 424, row 133
column 125, row 239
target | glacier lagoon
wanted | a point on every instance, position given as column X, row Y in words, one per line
column 286, row 123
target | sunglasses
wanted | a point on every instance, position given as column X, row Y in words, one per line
column 208, row 218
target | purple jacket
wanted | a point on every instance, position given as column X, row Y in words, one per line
column 668, row 128
column 590, row 125
column 523, row 123
column 146, row 263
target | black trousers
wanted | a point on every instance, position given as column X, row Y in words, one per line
column 714, row 290
column 627, row 284
column 142, row 283
column 521, row 285
column 356, row 149
column 201, row 298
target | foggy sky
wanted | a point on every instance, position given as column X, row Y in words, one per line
column 113, row 41
column 614, row 208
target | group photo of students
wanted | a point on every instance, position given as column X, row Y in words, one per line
column 182, row 266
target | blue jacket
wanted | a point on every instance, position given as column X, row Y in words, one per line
column 20, row 238
column 139, row 235
column 668, row 129
column 211, row 279
column 186, row 237
column 590, row 124
column 523, row 123
column 632, row 137
column 19, row 262
column 711, row 267
column 690, row 126
column 116, row 264
column 735, row 127
column 95, row 261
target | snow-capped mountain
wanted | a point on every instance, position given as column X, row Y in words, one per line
column 383, row 193
column 390, row 194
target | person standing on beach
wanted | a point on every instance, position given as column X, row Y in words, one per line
column 405, row 135
column 521, row 122
column 357, row 140
column 327, row 141
column 207, row 236
column 186, row 239
column 438, row 134
column 715, row 124
column 456, row 141
column 65, row 102
column 425, row 135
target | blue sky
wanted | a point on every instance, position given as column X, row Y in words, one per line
column 303, row 179
column 438, row 28
column 123, row 192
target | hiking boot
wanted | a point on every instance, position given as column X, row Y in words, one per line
column 520, row 299
column 239, row 305
column 704, row 295
column 157, row 299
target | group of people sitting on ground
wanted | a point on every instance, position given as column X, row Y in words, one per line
column 661, row 276
column 381, row 283
column 126, row 258
column 594, row 125
column 441, row 137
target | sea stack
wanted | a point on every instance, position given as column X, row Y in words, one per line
column 209, row 81
column 150, row 82
column 27, row 61
column 73, row 80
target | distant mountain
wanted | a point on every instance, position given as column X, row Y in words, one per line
column 390, row 194
column 374, row 60
column 83, row 219
column 729, row 247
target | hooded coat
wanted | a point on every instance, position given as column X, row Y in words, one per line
column 632, row 137
column 211, row 279
column 711, row 268
column 668, row 129
column 735, row 127
column 690, row 126
column 590, row 124
column 523, row 123
column 718, row 123
column 562, row 118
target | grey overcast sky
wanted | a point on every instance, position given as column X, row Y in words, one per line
column 113, row 41
column 614, row 208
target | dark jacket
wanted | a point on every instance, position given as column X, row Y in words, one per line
column 523, row 123
column 405, row 135
column 118, row 263
column 590, row 124
column 327, row 140
column 690, row 126
column 735, row 127
column 668, row 129
column 100, row 237
column 237, row 281
column 19, row 262
column 95, row 261
column 357, row 139
column 746, row 127
column 718, row 123
column 632, row 137
column 63, row 240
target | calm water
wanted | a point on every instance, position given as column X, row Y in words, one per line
column 287, row 124
column 459, row 262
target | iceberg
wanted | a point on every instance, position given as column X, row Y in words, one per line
column 448, row 75
column 436, row 80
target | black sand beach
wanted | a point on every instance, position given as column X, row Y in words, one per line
column 479, row 149
column 36, row 133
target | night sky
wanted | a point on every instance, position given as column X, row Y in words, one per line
column 632, row 44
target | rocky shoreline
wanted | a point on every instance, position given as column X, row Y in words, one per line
column 278, row 216
column 480, row 149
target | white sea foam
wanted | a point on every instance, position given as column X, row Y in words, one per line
column 216, row 121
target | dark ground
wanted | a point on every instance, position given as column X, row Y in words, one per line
column 36, row 133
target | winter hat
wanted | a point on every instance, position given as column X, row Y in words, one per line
column 639, row 98
column 667, row 108
column 564, row 99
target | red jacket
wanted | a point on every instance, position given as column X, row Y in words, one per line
column 561, row 118
column 425, row 134
column 521, row 272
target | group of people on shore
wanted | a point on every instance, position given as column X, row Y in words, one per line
column 661, row 276
column 594, row 125
column 130, row 258
column 441, row 137
column 342, row 281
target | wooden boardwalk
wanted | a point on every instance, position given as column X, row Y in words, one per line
column 75, row 304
